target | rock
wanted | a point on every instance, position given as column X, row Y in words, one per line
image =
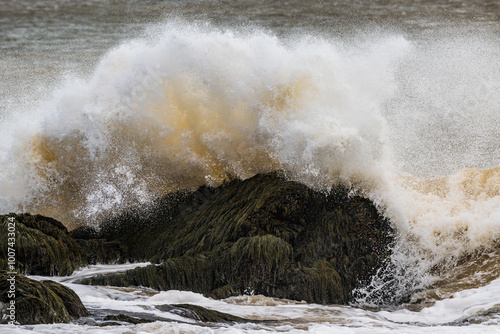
column 38, row 302
column 98, row 250
column 264, row 235
column 123, row 318
column 189, row 311
column 200, row 313
column 43, row 246
column 136, row 228
column 85, row 233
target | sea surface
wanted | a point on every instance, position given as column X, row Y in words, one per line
column 106, row 104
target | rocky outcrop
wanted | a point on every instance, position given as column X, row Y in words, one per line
column 43, row 246
column 37, row 302
column 264, row 235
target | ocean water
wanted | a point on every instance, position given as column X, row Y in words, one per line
column 106, row 104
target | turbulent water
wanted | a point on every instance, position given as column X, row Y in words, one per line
column 109, row 104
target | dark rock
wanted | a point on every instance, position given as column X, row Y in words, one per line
column 85, row 232
column 264, row 235
column 122, row 318
column 98, row 250
column 43, row 246
column 136, row 228
column 200, row 313
column 39, row 302
column 110, row 317
column 102, row 251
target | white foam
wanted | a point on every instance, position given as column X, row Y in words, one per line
column 293, row 317
column 92, row 270
column 461, row 305
column 191, row 104
column 178, row 297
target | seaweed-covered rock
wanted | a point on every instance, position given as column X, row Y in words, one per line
column 98, row 250
column 200, row 313
column 43, row 245
column 264, row 235
column 102, row 251
column 37, row 302
column 136, row 228
column 123, row 318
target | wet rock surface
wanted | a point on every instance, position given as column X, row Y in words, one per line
column 38, row 302
column 264, row 235
column 43, row 246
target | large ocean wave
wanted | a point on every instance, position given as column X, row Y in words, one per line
column 190, row 105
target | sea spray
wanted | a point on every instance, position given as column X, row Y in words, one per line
column 192, row 105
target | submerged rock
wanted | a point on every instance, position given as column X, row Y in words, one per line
column 200, row 313
column 264, row 235
column 37, row 302
column 123, row 318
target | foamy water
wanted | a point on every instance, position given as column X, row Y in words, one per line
column 408, row 119
column 445, row 316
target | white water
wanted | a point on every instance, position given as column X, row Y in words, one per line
column 189, row 105
column 293, row 316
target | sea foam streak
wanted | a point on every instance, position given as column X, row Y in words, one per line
column 192, row 105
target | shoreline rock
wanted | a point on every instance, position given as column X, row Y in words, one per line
column 43, row 246
column 264, row 235
column 39, row 302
